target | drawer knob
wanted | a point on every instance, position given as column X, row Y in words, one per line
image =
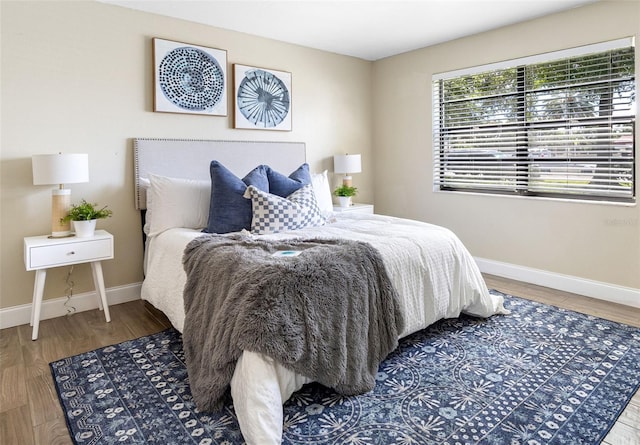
column 71, row 253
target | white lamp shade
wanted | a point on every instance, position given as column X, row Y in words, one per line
column 60, row 168
column 347, row 164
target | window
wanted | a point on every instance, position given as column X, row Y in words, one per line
column 557, row 125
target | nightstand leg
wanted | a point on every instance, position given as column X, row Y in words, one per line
column 98, row 281
column 38, row 290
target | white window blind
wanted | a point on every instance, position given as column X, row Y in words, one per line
column 558, row 124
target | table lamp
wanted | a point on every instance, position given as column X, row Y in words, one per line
column 60, row 169
column 347, row 164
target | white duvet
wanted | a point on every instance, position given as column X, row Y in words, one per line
column 433, row 272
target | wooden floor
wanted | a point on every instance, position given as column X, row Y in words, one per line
column 29, row 408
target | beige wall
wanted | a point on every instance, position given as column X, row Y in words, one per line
column 593, row 241
column 77, row 77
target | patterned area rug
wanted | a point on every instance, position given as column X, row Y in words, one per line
column 541, row 375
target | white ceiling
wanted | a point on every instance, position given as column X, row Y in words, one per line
column 369, row 30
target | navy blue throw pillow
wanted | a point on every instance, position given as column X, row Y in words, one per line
column 229, row 210
column 283, row 186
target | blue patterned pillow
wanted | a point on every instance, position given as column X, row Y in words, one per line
column 229, row 211
column 273, row 214
column 283, row 186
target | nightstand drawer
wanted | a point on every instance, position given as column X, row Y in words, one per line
column 360, row 208
column 40, row 257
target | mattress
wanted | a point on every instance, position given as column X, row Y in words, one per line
column 432, row 271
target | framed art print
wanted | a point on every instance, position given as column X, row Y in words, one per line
column 262, row 98
column 189, row 78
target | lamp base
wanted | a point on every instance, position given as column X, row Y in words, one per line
column 347, row 181
column 60, row 204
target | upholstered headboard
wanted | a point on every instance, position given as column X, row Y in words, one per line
column 184, row 158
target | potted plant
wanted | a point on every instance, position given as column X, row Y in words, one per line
column 344, row 194
column 84, row 217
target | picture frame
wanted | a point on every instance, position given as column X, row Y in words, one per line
column 189, row 78
column 262, row 98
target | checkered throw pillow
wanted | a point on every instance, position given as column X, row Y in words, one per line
column 273, row 214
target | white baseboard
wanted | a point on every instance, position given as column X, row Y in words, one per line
column 19, row 315
column 52, row 308
column 582, row 286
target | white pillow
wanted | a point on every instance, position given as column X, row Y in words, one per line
column 176, row 202
column 273, row 214
column 322, row 190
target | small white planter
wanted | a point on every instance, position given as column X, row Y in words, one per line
column 345, row 201
column 84, row 229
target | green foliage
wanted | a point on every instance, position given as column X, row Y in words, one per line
column 572, row 88
column 345, row 190
column 86, row 211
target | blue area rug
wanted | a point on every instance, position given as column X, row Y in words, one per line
column 541, row 375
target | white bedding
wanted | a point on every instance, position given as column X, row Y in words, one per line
column 433, row 272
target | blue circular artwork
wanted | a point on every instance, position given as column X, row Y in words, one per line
column 191, row 79
column 263, row 99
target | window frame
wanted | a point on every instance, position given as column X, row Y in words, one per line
column 523, row 127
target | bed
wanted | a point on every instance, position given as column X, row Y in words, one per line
column 433, row 273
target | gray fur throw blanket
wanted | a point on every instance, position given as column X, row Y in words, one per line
column 330, row 313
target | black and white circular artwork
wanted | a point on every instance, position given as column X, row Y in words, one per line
column 263, row 100
column 190, row 79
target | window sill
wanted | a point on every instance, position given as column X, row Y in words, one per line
column 540, row 198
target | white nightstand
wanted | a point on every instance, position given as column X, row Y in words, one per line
column 362, row 208
column 42, row 253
